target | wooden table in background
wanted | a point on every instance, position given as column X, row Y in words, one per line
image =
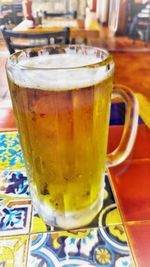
column 133, row 70
column 79, row 28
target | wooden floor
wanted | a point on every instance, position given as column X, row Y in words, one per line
column 132, row 62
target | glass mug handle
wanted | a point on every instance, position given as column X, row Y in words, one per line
column 130, row 127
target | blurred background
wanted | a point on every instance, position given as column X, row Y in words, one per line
column 122, row 17
column 120, row 26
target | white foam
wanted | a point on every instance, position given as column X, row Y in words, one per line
column 59, row 61
column 58, row 72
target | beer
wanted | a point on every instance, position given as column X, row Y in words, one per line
column 62, row 110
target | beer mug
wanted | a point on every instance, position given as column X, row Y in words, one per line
column 61, row 97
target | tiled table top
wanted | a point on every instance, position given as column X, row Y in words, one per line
column 131, row 185
column 25, row 240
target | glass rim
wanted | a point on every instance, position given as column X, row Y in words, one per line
column 12, row 62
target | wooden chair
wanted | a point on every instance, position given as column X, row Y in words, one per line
column 143, row 28
column 139, row 27
column 72, row 15
column 34, row 39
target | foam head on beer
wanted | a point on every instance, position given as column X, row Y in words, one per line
column 28, row 72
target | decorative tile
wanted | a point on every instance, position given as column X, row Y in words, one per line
column 139, row 236
column 85, row 247
column 15, row 216
column 14, row 183
column 115, row 237
column 13, row 251
column 38, row 225
column 109, row 214
column 105, row 245
column 131, row 184
column 10, row 151
column 139, row 151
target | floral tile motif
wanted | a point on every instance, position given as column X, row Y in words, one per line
column 15, row 216
column 14, row 183
column 108, row 215
column 105, row 245
column 38, row 225
column 10, row 151
column 13, row 251
column 85, row 247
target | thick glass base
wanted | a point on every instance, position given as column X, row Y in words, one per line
column 67, row 220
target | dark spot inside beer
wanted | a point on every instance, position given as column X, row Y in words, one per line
column 45, row 190
column 42, row 115
column 33, row 119
column 14, row 93
column 66, row 179
column 108, row 67
column 33, row 116
column 56, row 204
column 86, row 194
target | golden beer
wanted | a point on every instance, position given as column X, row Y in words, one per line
column 63, row 130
